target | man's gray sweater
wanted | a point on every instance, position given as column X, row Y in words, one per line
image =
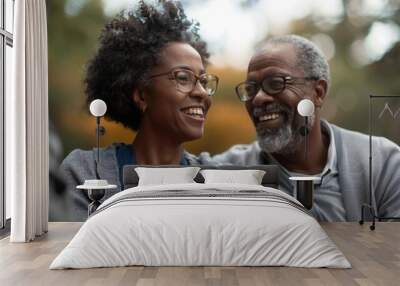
column 353, row 167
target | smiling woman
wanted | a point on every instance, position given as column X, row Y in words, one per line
column 150, row 69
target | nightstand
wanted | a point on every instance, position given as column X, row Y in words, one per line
column 96, row 190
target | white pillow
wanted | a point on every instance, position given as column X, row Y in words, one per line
column 248, row 177
column 162, row 176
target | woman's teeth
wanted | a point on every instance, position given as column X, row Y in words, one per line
column 194, row 111
column 270, row 116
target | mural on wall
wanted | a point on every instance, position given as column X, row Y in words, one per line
column 360, row 38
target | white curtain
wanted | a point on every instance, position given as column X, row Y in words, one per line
column 27, row 152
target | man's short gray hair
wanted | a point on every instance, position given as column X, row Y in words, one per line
column 309, row 56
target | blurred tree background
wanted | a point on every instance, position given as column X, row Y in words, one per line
column 74, row 26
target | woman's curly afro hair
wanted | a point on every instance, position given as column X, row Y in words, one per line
column 129, row 47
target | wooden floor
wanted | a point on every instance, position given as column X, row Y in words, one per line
column 374, row 255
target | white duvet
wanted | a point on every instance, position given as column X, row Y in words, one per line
column 201, row 224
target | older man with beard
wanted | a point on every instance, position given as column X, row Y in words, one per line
column 281, row 73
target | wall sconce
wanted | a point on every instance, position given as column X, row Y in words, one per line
column 305, row 184
column 96, row 188
column 98, row 108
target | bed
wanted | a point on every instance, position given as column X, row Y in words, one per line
column 201, row 223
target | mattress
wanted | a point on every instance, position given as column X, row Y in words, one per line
column 201, row 225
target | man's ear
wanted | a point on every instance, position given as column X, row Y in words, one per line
column 321, row 89
column 138, row 99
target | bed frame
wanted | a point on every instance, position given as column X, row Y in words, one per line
column 270, row 179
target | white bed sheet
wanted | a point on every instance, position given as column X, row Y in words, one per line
column 189, row 231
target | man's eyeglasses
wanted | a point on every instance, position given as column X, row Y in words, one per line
column 186, row 80
column 270, row 85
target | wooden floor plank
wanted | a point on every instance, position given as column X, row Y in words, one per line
column 374, row 255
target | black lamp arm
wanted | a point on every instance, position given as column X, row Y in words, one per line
column 306, row 139
column 97, row 159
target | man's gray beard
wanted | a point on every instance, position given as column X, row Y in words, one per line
column 284, row 141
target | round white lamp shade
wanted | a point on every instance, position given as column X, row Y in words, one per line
column 98, row 107
column 305, row 107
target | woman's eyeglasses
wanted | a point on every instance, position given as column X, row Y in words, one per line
column 186, row 80
column 270, row 85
